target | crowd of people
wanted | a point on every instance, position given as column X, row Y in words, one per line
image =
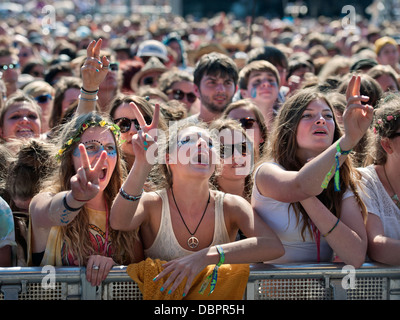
column 197, row 143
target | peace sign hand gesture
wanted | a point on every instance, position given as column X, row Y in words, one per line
column 145, row 138
column 357, row 117
column 85, row 183
column 95, row 69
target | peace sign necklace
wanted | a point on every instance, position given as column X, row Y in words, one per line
column 192, row 242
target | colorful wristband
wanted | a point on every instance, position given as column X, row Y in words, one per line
column 214, row 275
column 326, row 234
column 128, row 196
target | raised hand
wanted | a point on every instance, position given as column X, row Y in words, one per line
column 357, row 117
column 146, row 136
column 95, row 69
column 85, row 183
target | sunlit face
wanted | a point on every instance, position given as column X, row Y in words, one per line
column 215, row 92
column 236, row 155
column 194, row 152
column 254, row 132
column 125, row 111
column 183, row 91
column 70, row 96
column 262, row 88
column 96, row 140
column 315, row 130
column 387, row 83
column 388, row 55
column 21, row 121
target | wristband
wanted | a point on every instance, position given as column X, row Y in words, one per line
column 68, row 207
column 84, row 99
column 326, row 234
column 214, row 275
column 128, row 196
column 335, row 168
column 83, row 90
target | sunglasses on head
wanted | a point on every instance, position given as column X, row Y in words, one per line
column 124, row 124
column 180, row 95
column 43, row 98
column 247, row 123
column 9, row 66
column 113, row 66
column 227, row 150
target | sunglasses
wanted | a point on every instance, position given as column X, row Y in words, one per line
column 9, row 66
column 43, row 98
column 113, row 66
column 180, row 95
column 125, row 124
column 247, row 123
column 227, row 150
column 148, row 81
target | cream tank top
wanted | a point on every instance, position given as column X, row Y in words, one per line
column 166, row 246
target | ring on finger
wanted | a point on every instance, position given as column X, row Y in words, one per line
column 95, row 267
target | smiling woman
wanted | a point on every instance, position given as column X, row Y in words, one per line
column 20, row 118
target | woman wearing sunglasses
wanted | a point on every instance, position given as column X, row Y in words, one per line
column 186, row 223
column 251, row 119
column 43, row 93
column 381, row 184
column 237, row 159
column 178, row 85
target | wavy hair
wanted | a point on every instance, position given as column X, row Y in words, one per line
column 283, row 150
column 76, row 232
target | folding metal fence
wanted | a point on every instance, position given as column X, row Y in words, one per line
column 266, row 282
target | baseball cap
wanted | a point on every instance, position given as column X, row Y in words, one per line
column 381, row 42
column 152, row 48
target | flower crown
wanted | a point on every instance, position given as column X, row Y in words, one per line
column 89, row 123
column 380, row 123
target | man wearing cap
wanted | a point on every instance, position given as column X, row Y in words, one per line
column 387, row 52
column 148, row 75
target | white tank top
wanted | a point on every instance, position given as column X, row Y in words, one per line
column 166, row 246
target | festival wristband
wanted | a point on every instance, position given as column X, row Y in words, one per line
column 213, row 276
column 66, row 206
column 335, row 168
column 128, row 196
column 326, row 234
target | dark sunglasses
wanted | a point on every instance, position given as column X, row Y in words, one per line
column 43, row 98
column 228, row 149
column 113, row 66
column 124, row 124
column 247, row 123
column 9, row 66
column 180, row 95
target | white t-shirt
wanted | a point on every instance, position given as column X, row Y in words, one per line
column 378, row 202
column 281, row 217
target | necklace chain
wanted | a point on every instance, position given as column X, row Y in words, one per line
column 208, row 201
column 394, row 197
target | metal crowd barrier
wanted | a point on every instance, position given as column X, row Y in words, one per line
column 266, row 282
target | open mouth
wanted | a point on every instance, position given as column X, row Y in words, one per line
column 320, row 132
column 103, row 174
column 24, row 132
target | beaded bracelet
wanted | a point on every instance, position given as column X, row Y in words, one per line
column 326, row 234
column 84, row 99
column 214, row 275
column 128, row 196
column 335, row 168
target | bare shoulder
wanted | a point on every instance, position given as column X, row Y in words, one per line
column 236, row 204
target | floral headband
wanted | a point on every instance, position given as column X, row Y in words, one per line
column 89, row 123
column 381, row 123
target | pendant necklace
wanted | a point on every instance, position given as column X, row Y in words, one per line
column 395, row 198
column 192, row 242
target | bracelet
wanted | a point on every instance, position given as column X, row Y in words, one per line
column 83, row 90
column 214, row 275
column 128, row 196
column 68, row 207
column 335, row 168
column 326, row 234
column 84, row 99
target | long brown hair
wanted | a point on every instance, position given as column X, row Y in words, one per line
column 283, row 150
column 76, row 232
